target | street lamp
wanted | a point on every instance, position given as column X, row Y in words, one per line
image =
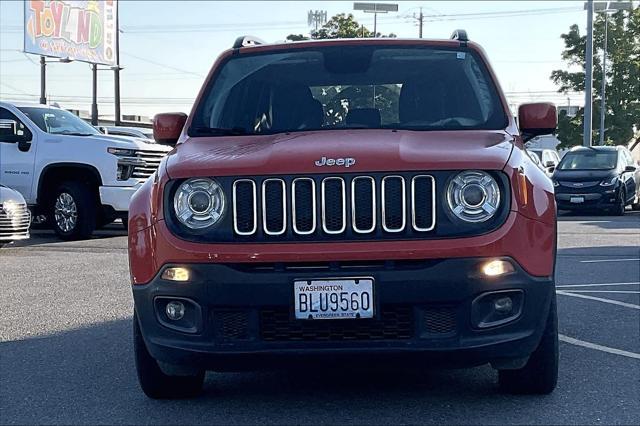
column 610, row 8
column 43, row 75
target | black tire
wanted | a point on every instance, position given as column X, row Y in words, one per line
column 540, row 374
column 125, row 223
column 618, row 210
column 154, row 383
column 85, row 201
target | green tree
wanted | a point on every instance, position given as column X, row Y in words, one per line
column 622, row 78
column 341, row 25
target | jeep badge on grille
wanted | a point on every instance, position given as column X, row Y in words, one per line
column 347, row 162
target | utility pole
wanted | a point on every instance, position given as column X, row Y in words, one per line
column 94, row 102
column 420, row 18
column 43, row 80
column 588, row 82
column 315, row 18
column 603, row 102
column 116, row 75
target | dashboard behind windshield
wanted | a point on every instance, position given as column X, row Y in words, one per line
column 58, row 121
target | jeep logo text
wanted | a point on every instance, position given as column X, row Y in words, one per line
column 347, row 162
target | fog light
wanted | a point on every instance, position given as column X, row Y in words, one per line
column 176, row 274
column 175, row 310
column 503, row 305
column 495, row 268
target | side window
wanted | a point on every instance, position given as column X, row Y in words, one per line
column 11, row 128
column 627, row 159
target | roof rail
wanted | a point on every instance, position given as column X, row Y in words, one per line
column 246, row 41
column 460, row 35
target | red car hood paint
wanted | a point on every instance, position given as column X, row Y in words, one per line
column 373, row 150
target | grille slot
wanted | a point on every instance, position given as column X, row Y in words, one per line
column 440, row 320
column 423, row 198
column 274, row 206
column 303, row 206
column 333, row 206
column 394, row 204
column 334, row 217
column 395, row 323
column 245, row 218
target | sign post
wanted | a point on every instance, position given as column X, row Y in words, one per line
column 376, row 8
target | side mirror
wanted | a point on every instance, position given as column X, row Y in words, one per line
column 12, row 132
column 630, row 169
column 167, row 127
column 549, row 163
column 537, row 119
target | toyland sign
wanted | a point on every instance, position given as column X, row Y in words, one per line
column 79, row 30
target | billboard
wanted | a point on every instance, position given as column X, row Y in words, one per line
column 84, row 30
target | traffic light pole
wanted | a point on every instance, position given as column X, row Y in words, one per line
column 588, row 82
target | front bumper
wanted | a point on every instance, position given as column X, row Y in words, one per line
column 118, row 197
column 592, row 198
column 423, row 310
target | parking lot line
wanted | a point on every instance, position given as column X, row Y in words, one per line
column 599, row 299
column 610, row 260
column 597, row 285
column 597, row 347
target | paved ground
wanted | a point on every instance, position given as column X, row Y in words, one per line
column 66, row 356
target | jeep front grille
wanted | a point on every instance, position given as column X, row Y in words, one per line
column 334, row 205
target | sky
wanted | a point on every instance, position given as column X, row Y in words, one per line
column 168, row 47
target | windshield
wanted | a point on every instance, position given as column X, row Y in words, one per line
column 372, row 87
column 58, row 121
column 589, row 160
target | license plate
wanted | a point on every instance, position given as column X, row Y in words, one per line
column 577, row 200
column 334, row 298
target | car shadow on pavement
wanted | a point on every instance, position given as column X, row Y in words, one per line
column 87, row 375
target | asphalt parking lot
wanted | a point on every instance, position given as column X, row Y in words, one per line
column 66, row 353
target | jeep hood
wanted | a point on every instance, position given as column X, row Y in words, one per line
column 373, row 151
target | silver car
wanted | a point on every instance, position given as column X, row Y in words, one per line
column 15, row 217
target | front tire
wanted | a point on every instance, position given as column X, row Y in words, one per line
column 540, row 373
column 73, row 211
column 156, row 384
column 618, row 210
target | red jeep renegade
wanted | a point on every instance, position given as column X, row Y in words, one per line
column 345, row 200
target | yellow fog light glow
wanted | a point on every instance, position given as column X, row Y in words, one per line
column 176, row 274
column 496, row 268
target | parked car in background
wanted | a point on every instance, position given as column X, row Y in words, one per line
column 67, row 170
column 535, row 159
column 548, row 159
column 136, row 132
column 15, row 217
column 599, row 177
column 300, row 221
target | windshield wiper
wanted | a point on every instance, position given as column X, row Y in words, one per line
column 220, row 131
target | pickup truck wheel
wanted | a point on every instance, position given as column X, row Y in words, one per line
column 73, row 211
column 154, row 383
column 540, row 373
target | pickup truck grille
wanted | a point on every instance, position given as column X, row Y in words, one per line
column 152, row 161
column 326, row 206
column 16, row 224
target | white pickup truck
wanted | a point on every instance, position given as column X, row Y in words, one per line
column 67, row 170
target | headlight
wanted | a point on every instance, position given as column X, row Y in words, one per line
column 199, row 203
column 609, row 181
column 473, row 196
column 121, row 152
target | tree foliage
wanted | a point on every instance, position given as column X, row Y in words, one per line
column 622, row 93
column 341, row 25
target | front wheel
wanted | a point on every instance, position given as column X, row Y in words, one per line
column 156, row 384
column 73, row 211
column 540, row 373
column 618, row 210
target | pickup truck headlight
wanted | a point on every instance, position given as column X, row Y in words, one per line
column 199, row 203
column 609, row 181
column 473, row 196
